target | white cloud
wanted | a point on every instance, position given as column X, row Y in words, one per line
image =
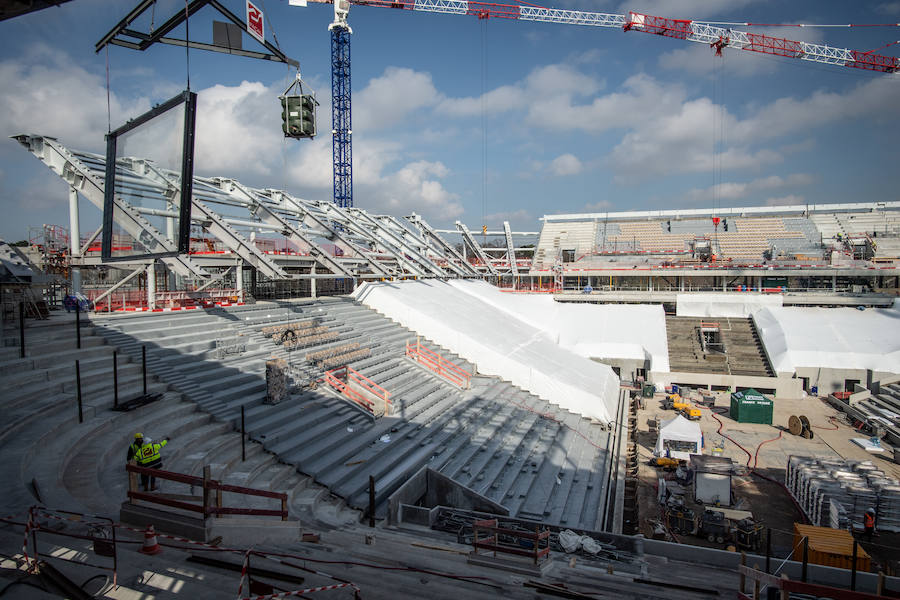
column 565, row 164
column 392, row 98
column 888, row 8
column 685, row 9
column 600, row 206
column 46, row 92
column 245, row 112
column 789, row 200
column 515, row 216
column 737, row 190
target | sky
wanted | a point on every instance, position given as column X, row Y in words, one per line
column 482, row 121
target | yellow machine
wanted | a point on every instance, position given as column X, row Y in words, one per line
column 676, row 402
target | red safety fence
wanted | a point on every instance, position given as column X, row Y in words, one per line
column 360, row 389
column 440, row 365
column 208, row 505
column 709, row 325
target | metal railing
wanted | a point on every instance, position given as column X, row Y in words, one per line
column 361, row 390
column 210, row 503
column 440, row 365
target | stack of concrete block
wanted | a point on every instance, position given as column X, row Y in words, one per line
column 277, row 381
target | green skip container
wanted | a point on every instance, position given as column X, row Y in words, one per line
column 749, row 406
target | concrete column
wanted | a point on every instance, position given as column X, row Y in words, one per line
column 758, row 283
column 834, row 283
column 239, row 280
column 151, row 285
column 312, row 282
column 724, row 283
column 74, row 238
column 682, row 283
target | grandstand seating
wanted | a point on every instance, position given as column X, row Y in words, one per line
column 561, row 235
column 500, row 440
column 743, row 354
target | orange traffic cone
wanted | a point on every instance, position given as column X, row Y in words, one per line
column 151, row 546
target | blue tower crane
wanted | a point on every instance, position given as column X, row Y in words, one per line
column 341, row 127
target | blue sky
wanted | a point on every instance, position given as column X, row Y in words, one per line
column 457, row 118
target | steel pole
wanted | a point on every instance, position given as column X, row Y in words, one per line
column 77, row 323
column 144, row 366
column 371, row 501
column 115, row 379
column 78, row 384
column 21, row 330
column 243, row 436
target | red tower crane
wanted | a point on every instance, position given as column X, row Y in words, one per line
column 714, row 36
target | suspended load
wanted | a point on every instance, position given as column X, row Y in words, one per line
column 298, row 111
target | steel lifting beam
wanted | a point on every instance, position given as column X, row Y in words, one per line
column 510, row 250
column 62, row 162
column 476, row 249
column 240, row 245
column 462, row 266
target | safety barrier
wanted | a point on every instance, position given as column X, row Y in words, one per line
column 440, row 365
column 209, row 505
column 101, row 531
column 361, row 390
column 516, row 542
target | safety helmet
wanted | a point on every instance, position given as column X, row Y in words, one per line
column 138, row 435
column 871, row 511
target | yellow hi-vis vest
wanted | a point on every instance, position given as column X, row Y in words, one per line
column 149, row 453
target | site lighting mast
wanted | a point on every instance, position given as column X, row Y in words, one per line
column 341, row 128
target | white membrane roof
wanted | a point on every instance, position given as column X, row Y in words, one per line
column 836, row 338
column 497, row 332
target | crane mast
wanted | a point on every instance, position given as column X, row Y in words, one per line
column 341, row 123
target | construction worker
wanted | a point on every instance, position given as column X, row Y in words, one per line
column 869, row 523
column 146, row 454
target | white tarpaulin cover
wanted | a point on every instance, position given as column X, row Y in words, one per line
column 498, row 342
column 835, row 338
column 717, row 304
column 679, row 429
column 602, row 331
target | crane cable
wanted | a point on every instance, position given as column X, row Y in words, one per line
column 483, row 127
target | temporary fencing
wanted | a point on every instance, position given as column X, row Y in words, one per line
column 437, row 363
column 361, row 390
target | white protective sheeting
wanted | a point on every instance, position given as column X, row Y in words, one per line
column 715, row 304
column 679, row 429
column 497, row 342
column 601, row 331
column 831, row 338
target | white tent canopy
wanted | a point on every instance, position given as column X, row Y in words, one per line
column 835, row 338
column 498, row 342
column 680, row 437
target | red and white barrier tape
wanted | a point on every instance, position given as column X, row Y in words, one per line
column 323, row 588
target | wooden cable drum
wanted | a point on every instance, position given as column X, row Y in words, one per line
column 807, row 428
column 795, row 425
